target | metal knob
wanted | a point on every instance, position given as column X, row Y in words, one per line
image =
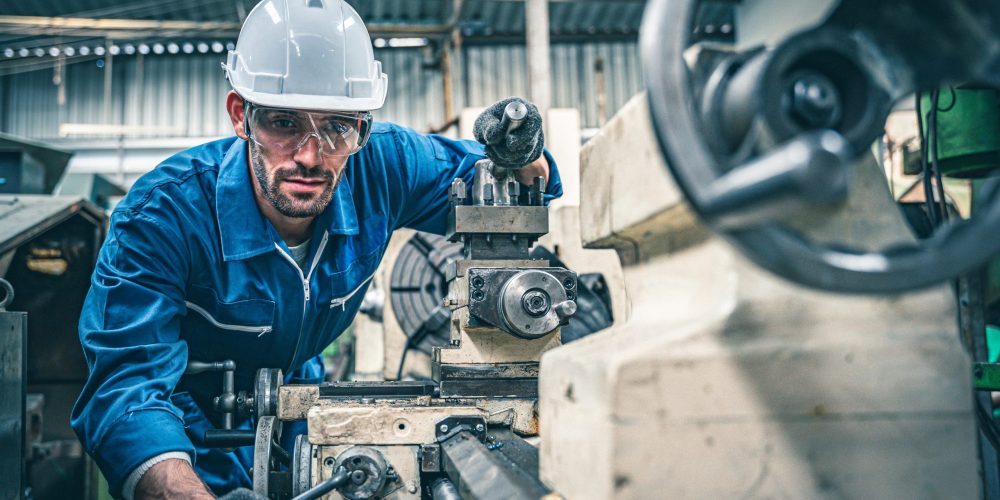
column 565, row 309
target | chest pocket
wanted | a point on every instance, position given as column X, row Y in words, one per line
column 254, row 316
column 346, row 285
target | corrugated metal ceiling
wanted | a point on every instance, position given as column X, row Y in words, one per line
column 478, row 17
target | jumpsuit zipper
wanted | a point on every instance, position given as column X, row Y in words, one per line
column 259, row 330
column 305, row 289
column 342, row 301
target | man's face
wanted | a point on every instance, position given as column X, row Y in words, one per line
column 299, row 184
column 298, row 156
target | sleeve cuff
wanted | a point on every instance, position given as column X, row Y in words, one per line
column 136, row 437
column 128, row 489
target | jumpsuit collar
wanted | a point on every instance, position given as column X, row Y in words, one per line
column 243, row 229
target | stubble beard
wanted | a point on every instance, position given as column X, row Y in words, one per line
column 294, row 206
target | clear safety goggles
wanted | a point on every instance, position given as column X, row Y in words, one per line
column 285, row 131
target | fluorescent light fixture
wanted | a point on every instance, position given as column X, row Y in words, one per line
column 407, row 42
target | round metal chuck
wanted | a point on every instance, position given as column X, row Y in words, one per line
column 533, row 303
column 367, row 469
column 266, row 392
column 268, row 432
column 301, row 465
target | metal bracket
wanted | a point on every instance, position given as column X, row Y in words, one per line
column 449, row 427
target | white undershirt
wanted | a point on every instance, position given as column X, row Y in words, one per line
column 300, row 253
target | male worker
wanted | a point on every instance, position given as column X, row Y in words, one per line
column 258, row 248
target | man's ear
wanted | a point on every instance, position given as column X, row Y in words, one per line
column 234, row 106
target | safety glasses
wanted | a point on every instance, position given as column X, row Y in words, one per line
column 285, row 131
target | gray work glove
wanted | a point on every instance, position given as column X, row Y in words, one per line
column 521, row 147
column 242, row 494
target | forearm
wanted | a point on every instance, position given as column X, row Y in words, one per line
column 171, row 479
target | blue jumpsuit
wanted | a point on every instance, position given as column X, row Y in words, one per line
column 191, row 269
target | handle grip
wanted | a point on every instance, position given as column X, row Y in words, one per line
column 513, row 116
column 224, row 438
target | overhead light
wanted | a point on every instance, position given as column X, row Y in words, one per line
column 203, row 47
column 54, row 51
column 187, row 47
column 158, row 48
column 143, row 49
column 407, row 42
column 379, row 43
column 69, row 51
column 84, row 50
column 99, row 50
column 173, row 48
column 217, row 47
column 230, row 46
column 8, row 52
column 39, row 52
column 23, row 52
column 114, row 50
column 129, row 48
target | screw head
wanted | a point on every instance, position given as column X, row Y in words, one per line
column 478, row 282
column 478, row 295
column 443, row 428
column 814, row 100
column 480, row 427
column 569, row 283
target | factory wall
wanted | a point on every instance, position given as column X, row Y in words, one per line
column 183, row 95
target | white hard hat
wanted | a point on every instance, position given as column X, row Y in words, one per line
column 306, row 54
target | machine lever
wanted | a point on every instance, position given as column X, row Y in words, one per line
column 338, row 480
column 513, row 116
column 229, row 438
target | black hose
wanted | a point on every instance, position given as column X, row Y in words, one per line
column 925, row 167
column 444, row 489
column 339, row 479
column 932, row 130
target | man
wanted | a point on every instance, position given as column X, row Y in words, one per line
column 258, row 248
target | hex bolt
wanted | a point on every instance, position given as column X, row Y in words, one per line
column 569, row 283
column 478, row 282
column 478, row 295
column 443, row 428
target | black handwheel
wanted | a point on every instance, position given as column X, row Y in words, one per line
column 754, row 134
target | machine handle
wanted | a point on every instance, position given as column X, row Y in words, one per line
column 228, row 438
column 513, row 116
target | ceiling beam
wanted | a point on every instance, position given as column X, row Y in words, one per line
column 118, row 29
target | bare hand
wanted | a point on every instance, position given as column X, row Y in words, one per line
column 539, row 167
column 171, row 479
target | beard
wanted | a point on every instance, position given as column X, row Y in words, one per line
column 297, row 205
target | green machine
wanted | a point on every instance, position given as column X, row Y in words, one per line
column 964, row 126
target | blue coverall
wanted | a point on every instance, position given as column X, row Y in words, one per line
column 191, row 269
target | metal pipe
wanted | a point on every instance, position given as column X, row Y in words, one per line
column 444, row 489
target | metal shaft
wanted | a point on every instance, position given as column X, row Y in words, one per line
column 339, row 479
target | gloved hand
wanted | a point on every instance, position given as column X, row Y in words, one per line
column 242, row 494
column 521, row 147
